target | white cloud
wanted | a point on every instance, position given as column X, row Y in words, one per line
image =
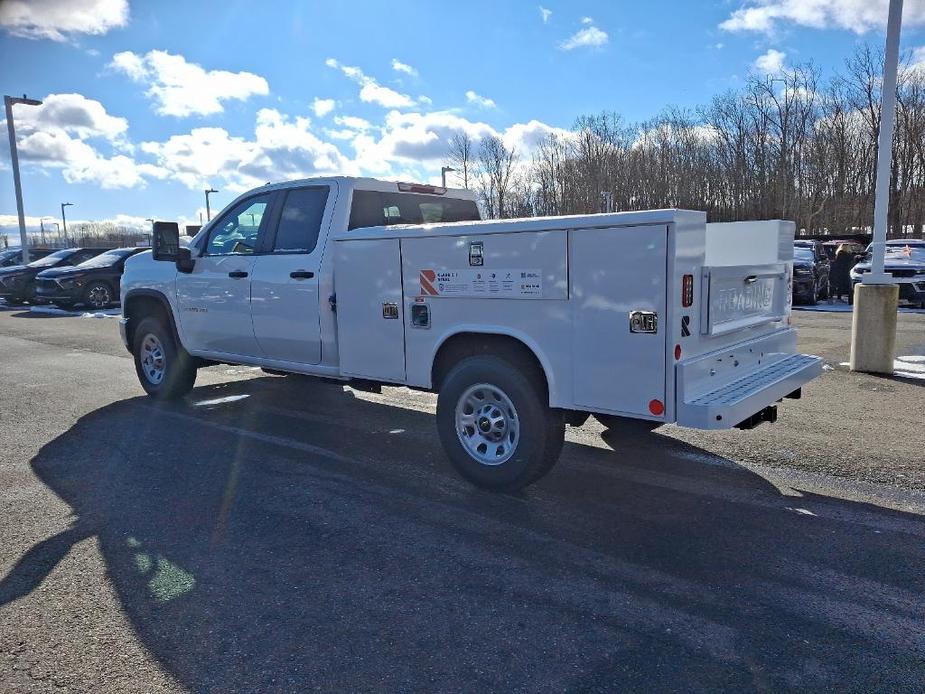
column 74, row 114
column 399, row 66
column 771, row 62
column 479, row 100
column 56, row 135
column 179, row 88
column 370, row 90
column 81, row 163
column 587, row 20
column 353, row 122
column 58, row 20
column 858, row 16
column 590, row 36
column 283, row 148
column 545, row 14
column 323, row 107
column 917, row 59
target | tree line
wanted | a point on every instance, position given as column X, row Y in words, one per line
column 97, row 234
column 785, row 146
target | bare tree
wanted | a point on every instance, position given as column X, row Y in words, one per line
column 461, row 154
column 495, row 170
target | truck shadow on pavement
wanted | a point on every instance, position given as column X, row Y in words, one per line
column 278, row 534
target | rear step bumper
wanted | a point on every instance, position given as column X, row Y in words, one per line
column 748, row 401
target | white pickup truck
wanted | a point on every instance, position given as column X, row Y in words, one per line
column 521, row 326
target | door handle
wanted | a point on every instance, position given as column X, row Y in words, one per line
column 301, row 275
column 751, row 279
column 237, row 274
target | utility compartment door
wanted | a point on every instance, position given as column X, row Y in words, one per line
column 618, row 280
column 370, row 317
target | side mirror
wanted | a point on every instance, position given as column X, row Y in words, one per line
column 165, row 241
column 185, row 262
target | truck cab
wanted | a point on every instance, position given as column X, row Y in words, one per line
column 518, row 325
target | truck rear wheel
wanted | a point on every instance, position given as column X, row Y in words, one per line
column 495, row 425
column 165, row 371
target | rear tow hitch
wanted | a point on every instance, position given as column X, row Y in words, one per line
column 768, row 414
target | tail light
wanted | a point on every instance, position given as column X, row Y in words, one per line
column 687, row 291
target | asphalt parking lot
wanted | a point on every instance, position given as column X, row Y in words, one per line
column 280, row 534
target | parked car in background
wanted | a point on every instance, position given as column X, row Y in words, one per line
column 831, row 248
column 810, row 273
column 13, row 256
column 17, row 283
column 94, row 283
column 905, row 260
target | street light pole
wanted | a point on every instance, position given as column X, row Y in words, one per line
column 444, row 170
column 208, row 209
column 8, row 102
column 64, row 219
column 876, row 298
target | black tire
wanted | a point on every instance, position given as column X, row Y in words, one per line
column 98, row 295
column 813, row 297
column 628, row 424
column 178, row 370
column 541, row 429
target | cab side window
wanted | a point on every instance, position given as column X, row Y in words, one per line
column 237, row 230
column 300, row 220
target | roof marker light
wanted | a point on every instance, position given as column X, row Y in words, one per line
column 421, row 188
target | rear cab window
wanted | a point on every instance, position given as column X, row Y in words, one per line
column 372, row 208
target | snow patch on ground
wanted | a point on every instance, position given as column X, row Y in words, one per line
column 53, row 311
column 912, row 366
column 847, row 308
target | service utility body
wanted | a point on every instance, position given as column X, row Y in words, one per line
column 521, row 326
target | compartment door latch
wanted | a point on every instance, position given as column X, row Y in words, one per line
column 643, row 322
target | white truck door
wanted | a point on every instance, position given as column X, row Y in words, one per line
column 214, row 299
column 284, row 289
column 618, row 279
column 370, row 315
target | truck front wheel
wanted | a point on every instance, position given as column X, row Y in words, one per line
column 495, row 424
column 165, row 371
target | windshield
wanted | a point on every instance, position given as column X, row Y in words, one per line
column 803, row 254
column 894, row 251
column 108, row 258
column 52, row 258
column 905, row 252
column 9, row 253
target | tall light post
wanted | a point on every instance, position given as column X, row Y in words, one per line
column 8, row 102
column 876, row 298
column 151, row 219
column 444, row 170
column 64, row 219
column 208, row 209
column 42, row 225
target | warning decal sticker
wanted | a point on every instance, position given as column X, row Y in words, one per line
column 504, row 283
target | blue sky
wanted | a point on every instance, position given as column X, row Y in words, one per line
column 147, row 103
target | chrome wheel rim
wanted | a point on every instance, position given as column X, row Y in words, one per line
column 153, row 359
column 487, row 424
column 98, row 296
